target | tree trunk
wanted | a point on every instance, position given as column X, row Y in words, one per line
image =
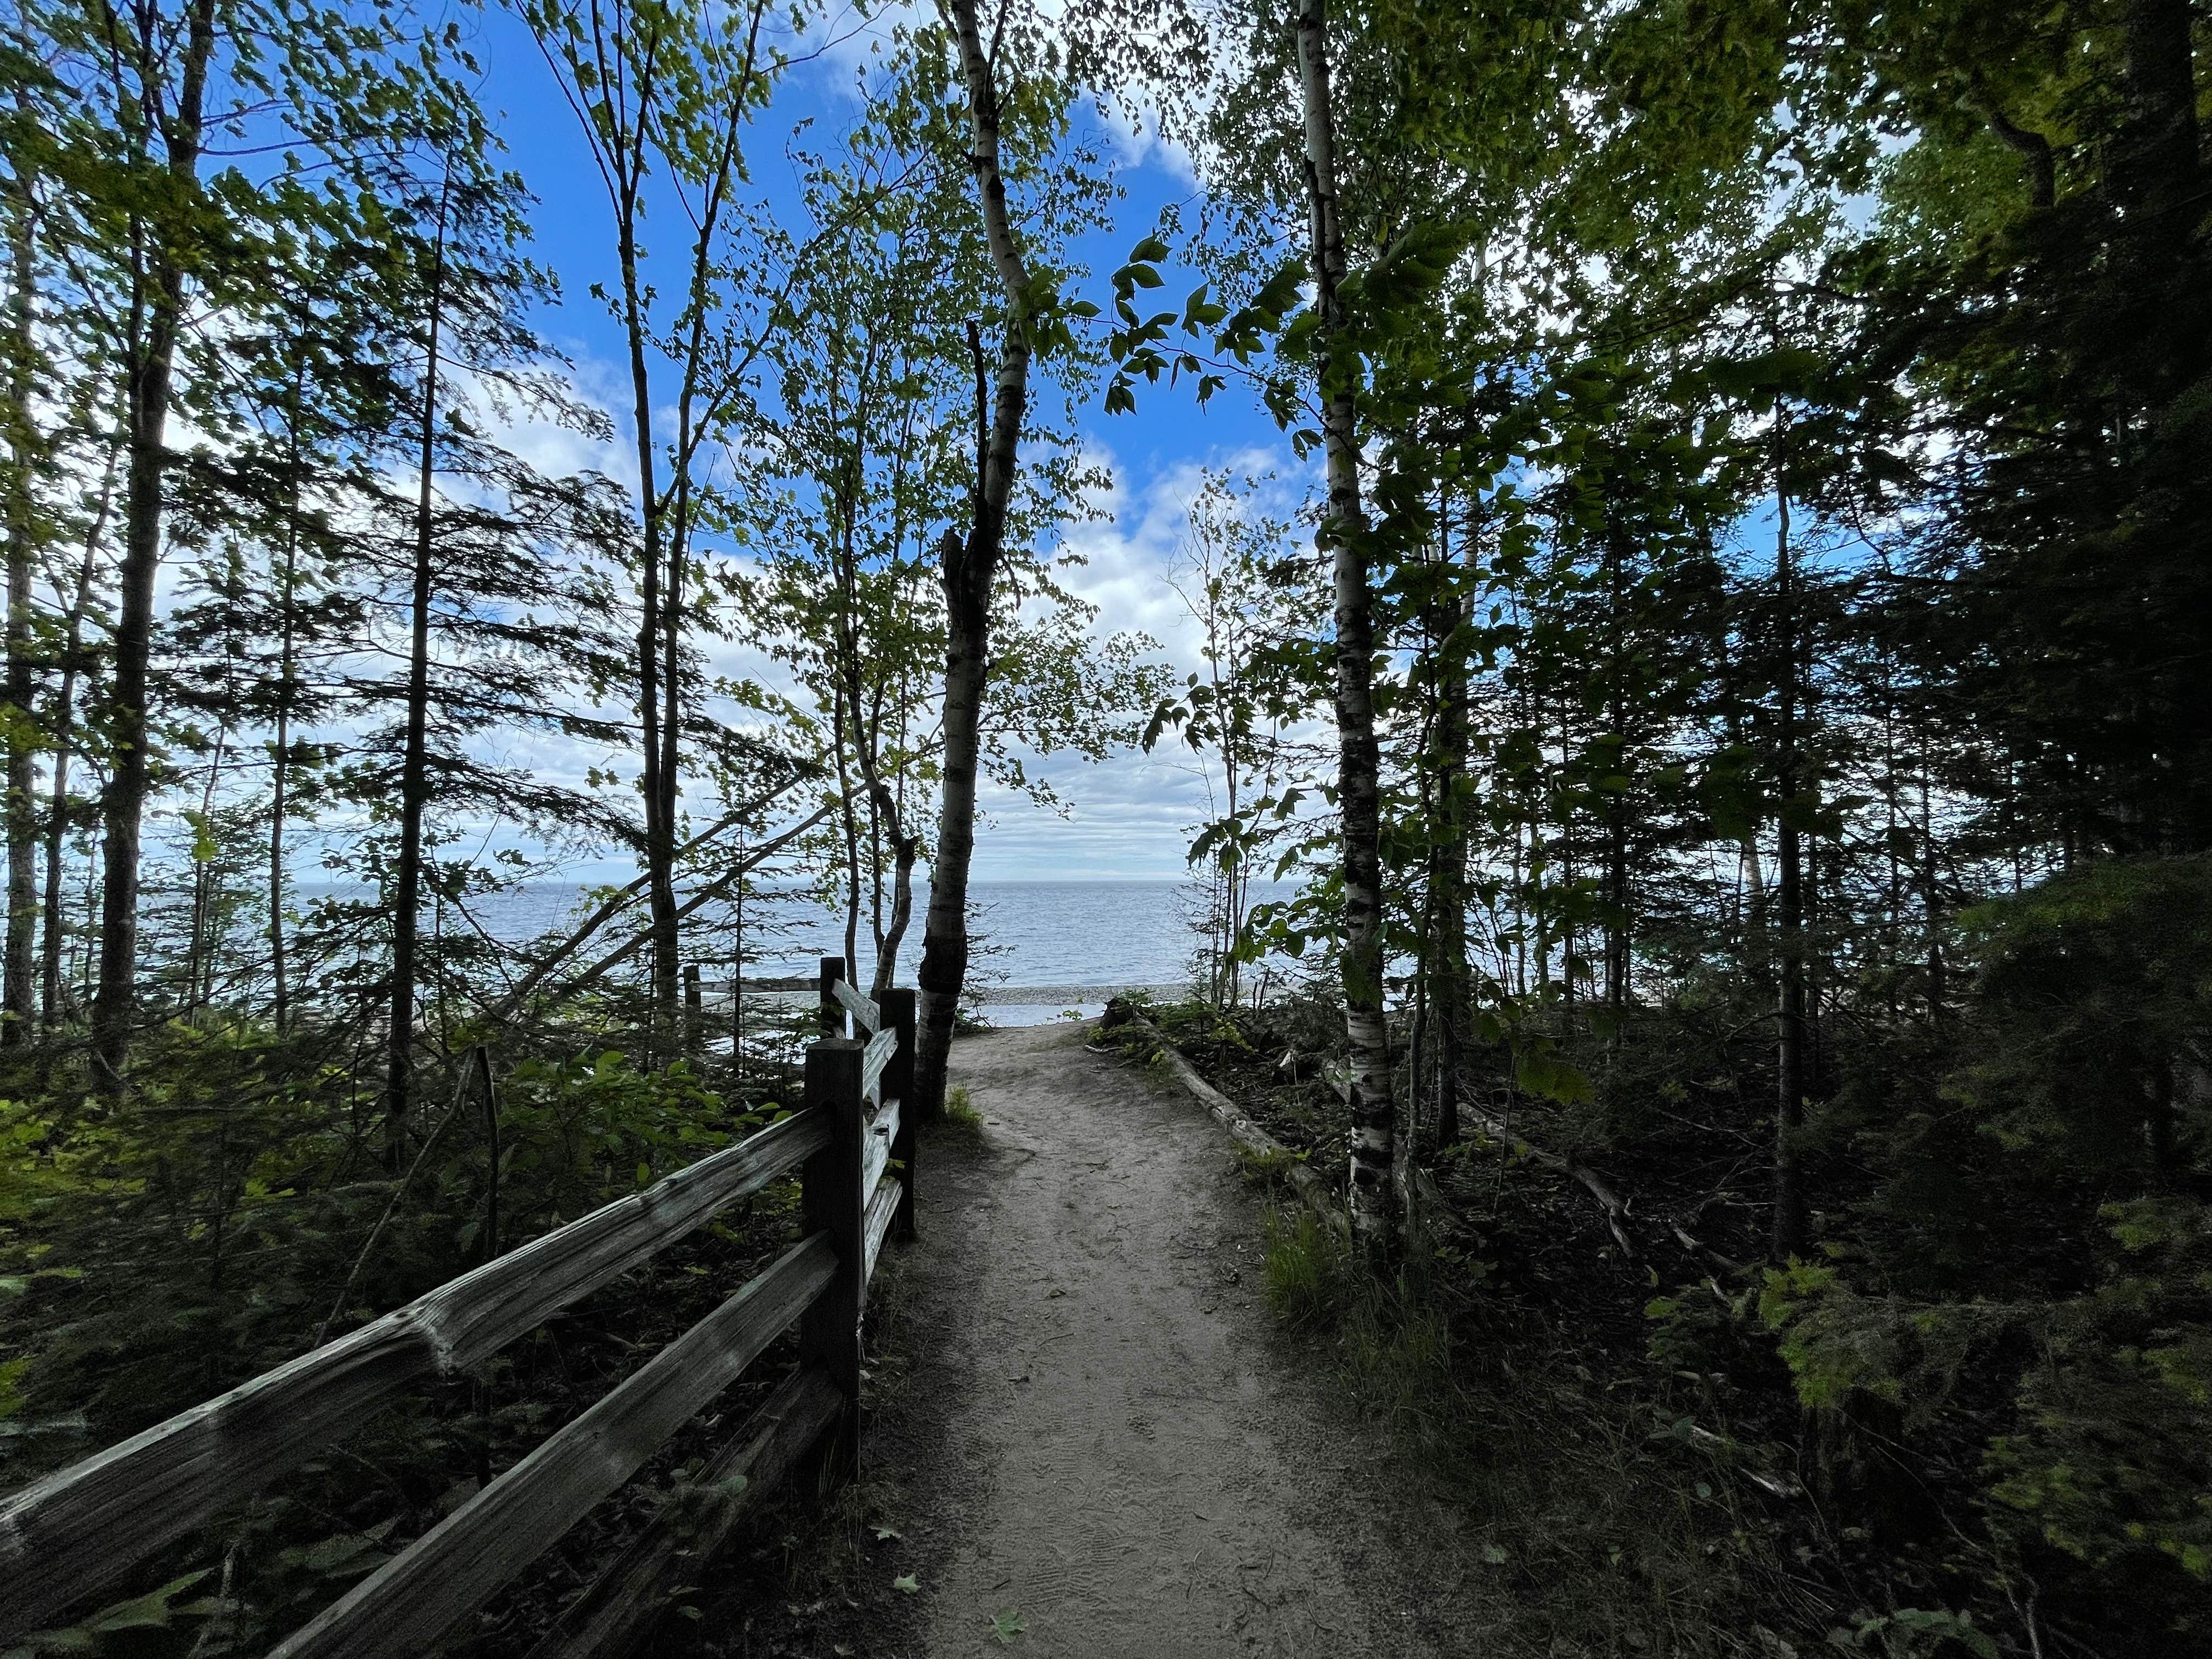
column 149, row 370
column 737, row 969
column 1449, row 1002
column 1790, row 1222
column 848, row 820
column 287, row 677
column 903, row 850
column 2160, row 140
column 667, row 937
column 1617, row 923
column 18, row 994
column 1931, row 900
column 1892, row 826
column 1538, row 922
column 945, row 928
column 674, row 527
column 280, row 989
column 2158, row 1139
column 969, row 571
column 886, row 815
column 53, row 924
column 1344, row 535
column 1566, row 846
column 659, row 840
column 414, row 776
column 200, row 950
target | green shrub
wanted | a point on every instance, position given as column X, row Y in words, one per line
column 2094, row 988
column 2101, row 1451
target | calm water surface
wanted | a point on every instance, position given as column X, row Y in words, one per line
column 1043, row 947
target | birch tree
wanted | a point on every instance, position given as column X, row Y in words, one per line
column 1343, row 536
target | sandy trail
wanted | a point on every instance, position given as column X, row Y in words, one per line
column 1105, row 1434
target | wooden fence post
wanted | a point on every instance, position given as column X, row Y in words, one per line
column 898, row 1085
column 830, row 1330
column 832, row 1011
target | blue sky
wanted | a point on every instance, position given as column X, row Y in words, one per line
column 1126, row 819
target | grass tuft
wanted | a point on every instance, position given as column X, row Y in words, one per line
column 1307, row 1281
column 960, row 1113
column 1268, row 1169
column 1395, row 1346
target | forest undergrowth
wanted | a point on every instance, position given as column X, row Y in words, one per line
column 1512, row 1374
column 1659, row 1443
column 150, row 1262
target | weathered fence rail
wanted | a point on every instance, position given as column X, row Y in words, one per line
column 67, row 1536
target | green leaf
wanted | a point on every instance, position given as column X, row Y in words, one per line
column 151, row 1611
column 905, row 1582
column 1006, row 1624
column 1553, row 1076
column 204, row 849
column 11, row 1397
column 343, row 1555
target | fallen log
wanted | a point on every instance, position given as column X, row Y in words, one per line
column 1615, row 1207
column 1310, row 1187
column 1246, row 1133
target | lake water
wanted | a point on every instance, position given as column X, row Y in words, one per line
column 1042, row 947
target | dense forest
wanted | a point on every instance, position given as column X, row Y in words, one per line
column 1714, row 700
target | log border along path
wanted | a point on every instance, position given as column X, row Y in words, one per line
column 1107, row 1449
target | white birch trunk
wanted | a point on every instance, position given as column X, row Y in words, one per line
column 1343, row 534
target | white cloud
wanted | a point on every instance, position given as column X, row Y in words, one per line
column 1138, row 142
column 1132, row 815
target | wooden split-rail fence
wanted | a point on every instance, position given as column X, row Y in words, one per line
column 66, row 1537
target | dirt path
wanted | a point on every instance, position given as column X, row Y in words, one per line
column 1104, row 1434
